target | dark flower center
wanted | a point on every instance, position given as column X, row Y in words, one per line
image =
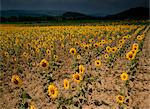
column 120, row 98
column 52, row 91
column 16, row 81
column 44, row 64
column 72, row 51
column 130, row 56
column 77, row 77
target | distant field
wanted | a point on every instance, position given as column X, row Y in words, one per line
column 80, row 22
column 75, row 65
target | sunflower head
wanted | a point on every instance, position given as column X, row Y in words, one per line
column 6, row 54
column 77, row 77
column 81, row 69
column 96, row 45
column 106, row 56
column 52, row 91
column 86, row 47
column 124, row 76
column 139, row 37
column 32, row 106
column 44, row 63
column 120, row 99
column 48, row 52
column 16, row 80
column 25, row 54
column 113, row 49
column 78, row 57
column 135, row 46
column 55, row 57
column 130, row 55
column 73, row 51
column 76, row 43
column 97, row 63
column 108, row 49
column 66, row 84
column 121, row 41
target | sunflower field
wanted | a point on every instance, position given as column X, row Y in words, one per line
column 74, row 67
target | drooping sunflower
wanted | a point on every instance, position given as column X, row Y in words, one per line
column 120, row 99
column 44, row 63
column 66, row 84
column 124, row 76
column 130, row 55
column 52, row 91
column 16, row 80
column 77, row 77
column 97, row 63
column 73, row 51
column 81, row 69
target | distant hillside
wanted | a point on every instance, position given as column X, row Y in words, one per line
column 31, row 13
column 133, row 13
column 75, row 15
column 37, row 16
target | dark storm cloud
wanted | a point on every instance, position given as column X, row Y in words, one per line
column 85, row 6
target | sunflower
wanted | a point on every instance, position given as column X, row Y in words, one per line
column 120, row 99
column 130, row 55
column 6, row 54
column 32, row 106
column 121, row 41
column 106, row 56
column 108, row 49
column 76, row 43
column 139, row 37
column 66, row 84
column 100, row 44
column 124, row 76
column 25, row 54
column 52, row 91
column 73, row 51
column 135, row 46
column 44, row 63
column 16, row 80
column 55, row 57
column 97, row 63
column 48, row 51
column 37, row 50
column 113, row 49
column 81, row 69
column 78, row 57
column 77, row 77
column 86, row 47
column 103, row 41
column 91, row 40
column 96, row 45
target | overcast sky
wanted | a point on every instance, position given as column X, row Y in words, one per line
column 83, row 6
